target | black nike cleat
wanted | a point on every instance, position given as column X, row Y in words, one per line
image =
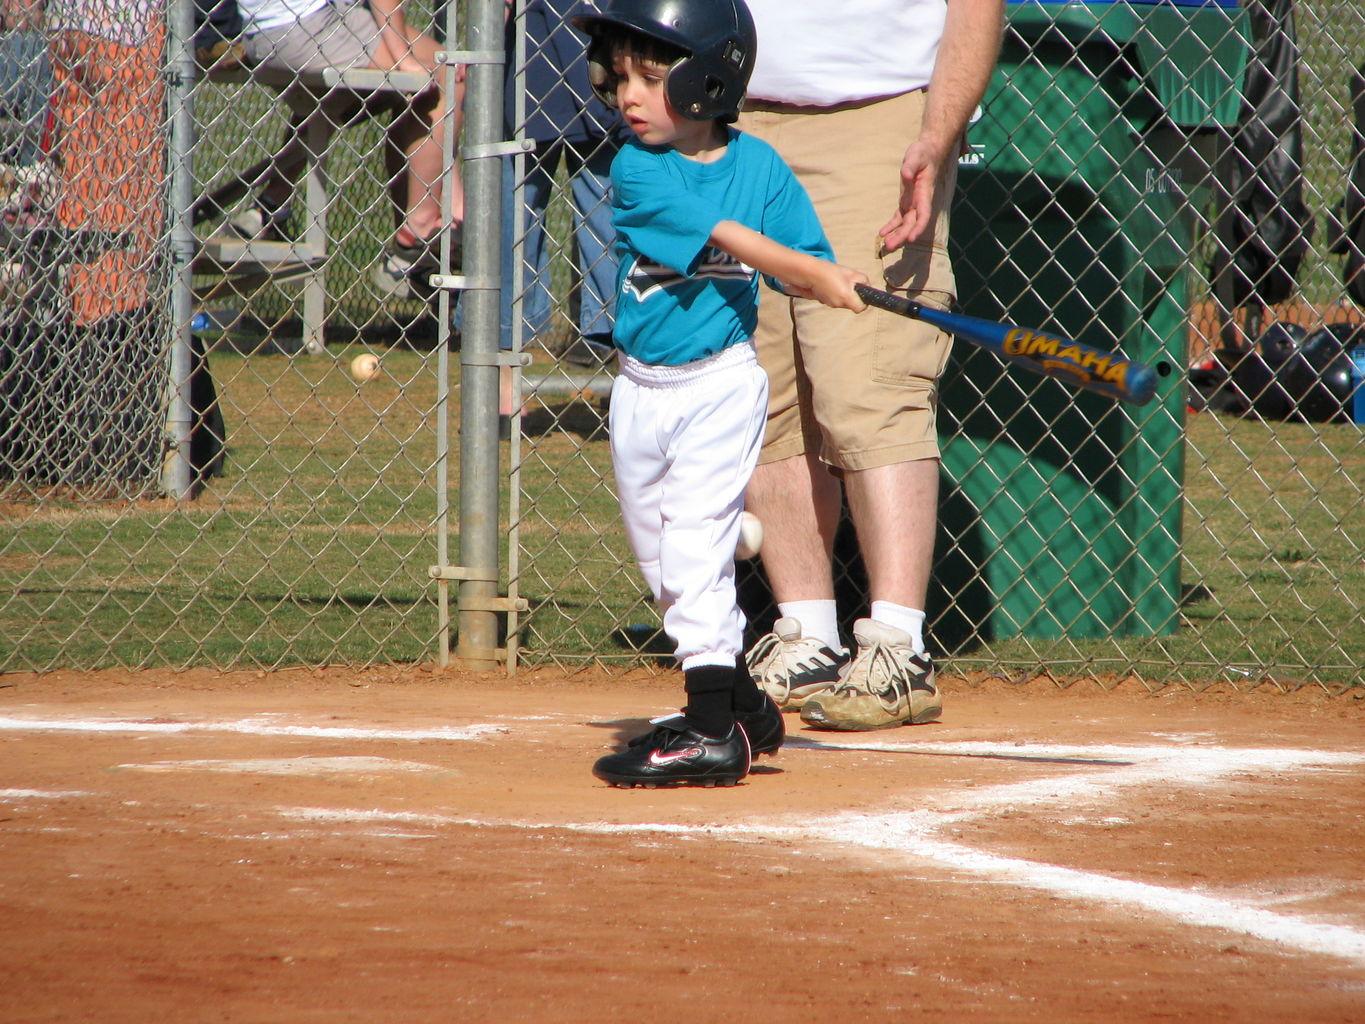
column 764, row 727
column 675, row 754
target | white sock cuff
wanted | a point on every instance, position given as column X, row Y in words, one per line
column 819, row 620
column 718, row 659
column 908, row 620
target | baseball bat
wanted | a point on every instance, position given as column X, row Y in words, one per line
column 1052, row 355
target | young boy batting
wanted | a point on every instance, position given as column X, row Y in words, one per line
column 700, row 210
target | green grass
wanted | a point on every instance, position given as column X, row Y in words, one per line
column 1276, row 533
column 313, row 547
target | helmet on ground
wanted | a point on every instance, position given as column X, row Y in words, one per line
column 716, row 37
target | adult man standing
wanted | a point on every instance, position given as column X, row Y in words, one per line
column 870, row 112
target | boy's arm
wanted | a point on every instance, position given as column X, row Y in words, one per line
column 801, row 274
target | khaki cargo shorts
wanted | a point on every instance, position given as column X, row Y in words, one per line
column 861, row 390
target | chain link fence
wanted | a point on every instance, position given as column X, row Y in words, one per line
column 198, row 245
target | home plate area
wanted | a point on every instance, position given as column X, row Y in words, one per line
column 421, row 847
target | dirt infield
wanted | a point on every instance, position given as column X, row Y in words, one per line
column 403, row 845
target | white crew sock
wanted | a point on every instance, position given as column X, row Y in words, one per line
column 819, row 620
column 909, row 620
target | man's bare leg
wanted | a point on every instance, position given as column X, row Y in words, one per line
column 418, row 132
column 890, row 681
column 798, row 502
column 895, row 510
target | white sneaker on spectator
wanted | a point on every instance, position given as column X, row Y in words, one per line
column 404, row 272
column 791, row 668
column 886, row 684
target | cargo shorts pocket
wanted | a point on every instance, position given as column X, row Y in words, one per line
column 909, row 353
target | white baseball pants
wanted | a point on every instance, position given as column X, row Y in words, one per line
column 684, row 442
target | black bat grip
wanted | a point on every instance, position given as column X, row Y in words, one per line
column 887, row 301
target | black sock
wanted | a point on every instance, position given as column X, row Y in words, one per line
column 747, row 695
column 709, row 694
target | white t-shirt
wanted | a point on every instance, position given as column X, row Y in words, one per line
column 818, row 53
column 124, row 21
column 259, row 15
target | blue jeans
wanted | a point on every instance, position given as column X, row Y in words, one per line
column 593, row 236
column 25, row 90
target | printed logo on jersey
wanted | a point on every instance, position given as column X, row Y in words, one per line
column 646, row 278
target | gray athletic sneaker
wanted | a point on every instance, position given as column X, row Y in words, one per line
column 405, row 271
column 791, row 668
column 260, row 224
column 886, row 684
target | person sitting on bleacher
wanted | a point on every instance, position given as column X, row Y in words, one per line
column 313, row 35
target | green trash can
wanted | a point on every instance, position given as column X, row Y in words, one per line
column 1078, row 211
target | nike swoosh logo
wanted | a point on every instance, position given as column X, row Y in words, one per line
column 659, row 759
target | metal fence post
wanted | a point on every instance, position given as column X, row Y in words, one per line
column 477, row 642
column 177, row 474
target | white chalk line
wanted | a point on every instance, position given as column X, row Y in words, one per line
column 913, row 833
column 291, row 766
column 42, row 794
column 349, row 816
column 1103, row 756
column 250, row 727
column 1109, row 769
column 1181, row 905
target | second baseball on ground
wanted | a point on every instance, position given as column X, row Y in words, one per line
column 365, row 366
column 750, row 536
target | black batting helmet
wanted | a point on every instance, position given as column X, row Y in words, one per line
column 716, row 36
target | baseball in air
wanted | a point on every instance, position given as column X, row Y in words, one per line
column 750, row 536
column 365, row 367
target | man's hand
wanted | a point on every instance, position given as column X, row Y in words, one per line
column 921, row 178
column 966, row 56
